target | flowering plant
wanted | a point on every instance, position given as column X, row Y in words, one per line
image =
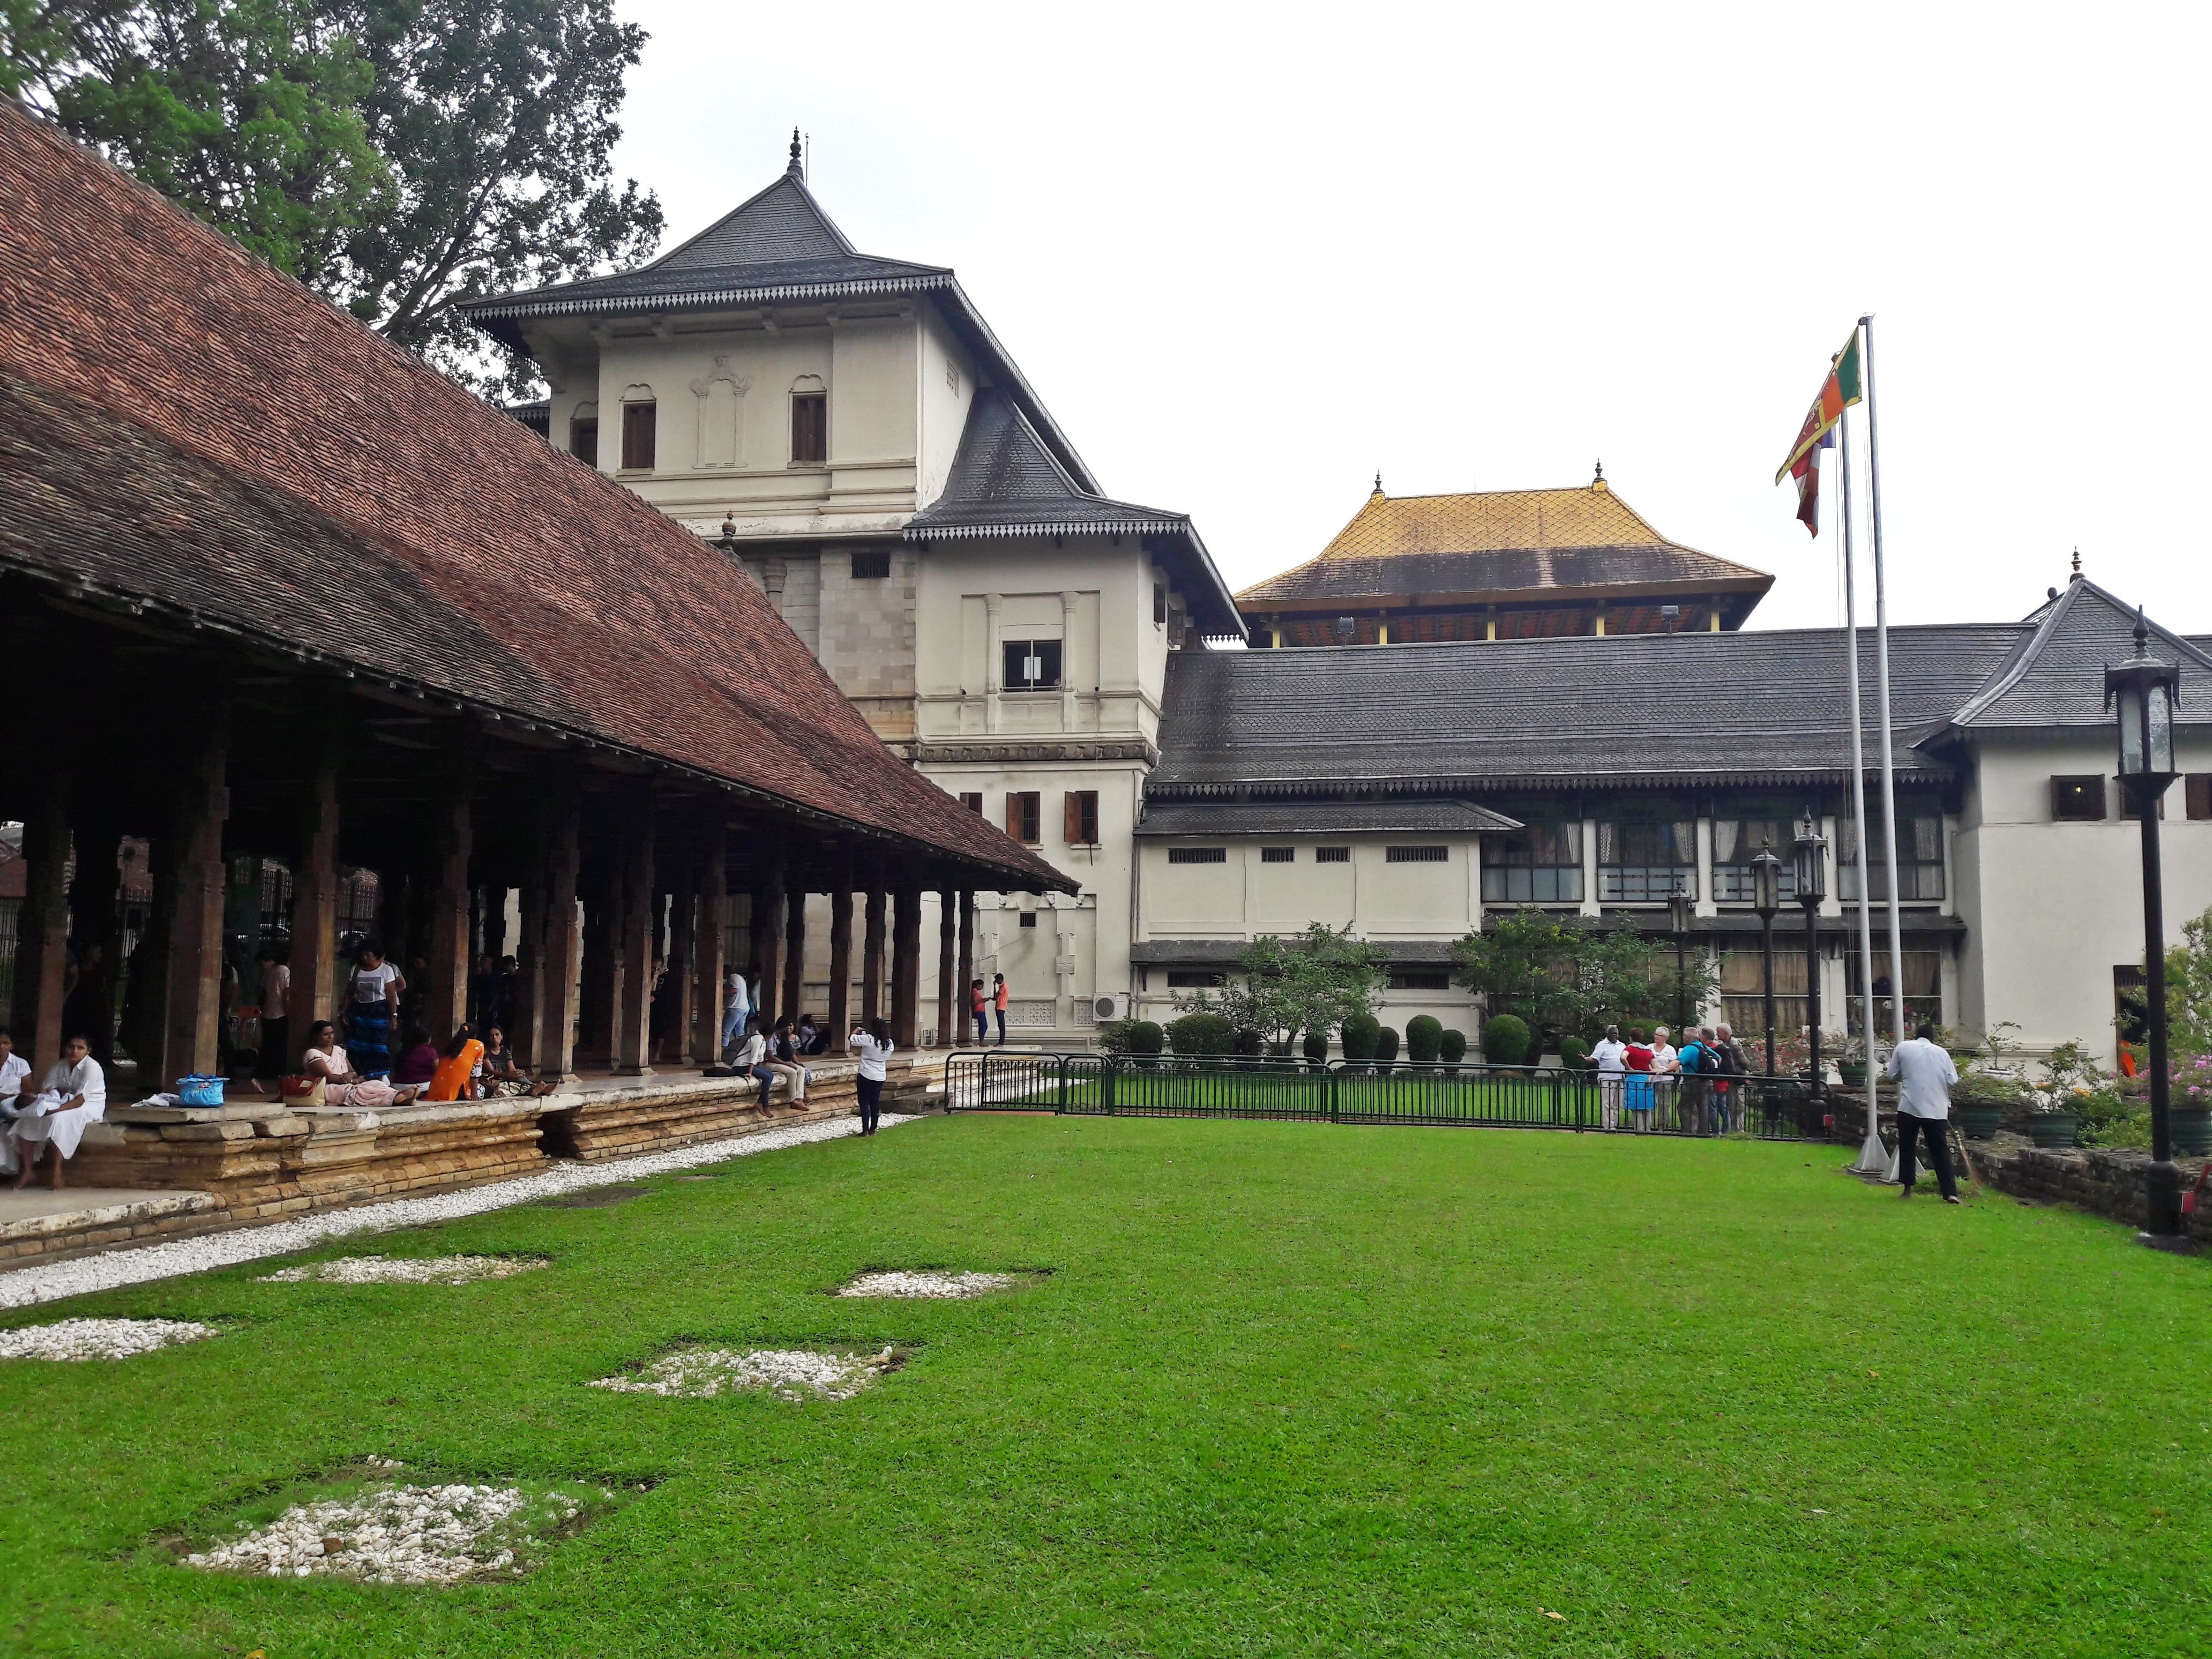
column 2190, row 1077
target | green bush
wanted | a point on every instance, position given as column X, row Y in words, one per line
column 1505, row 1040
column 1573, row 1052
column 1145, row 1037
column 1424, row 1035
column 1358, row 1036
column 1385, row 1046
column 1451, row 1048
column 1114, row 1037
column 1250, row 1044
column 1316, row 1048
column 1200, row 1034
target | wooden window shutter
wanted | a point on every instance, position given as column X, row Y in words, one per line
column 810, row 428
column 2197, row 792
column 639, row 424
column 1014, row 814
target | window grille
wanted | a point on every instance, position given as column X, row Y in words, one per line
column 1198, row 855
column 1416, row 855
column 1278, row 855
column 1332, row 855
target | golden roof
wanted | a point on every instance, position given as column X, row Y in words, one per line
column 1496, row 543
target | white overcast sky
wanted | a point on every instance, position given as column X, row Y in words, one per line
column 1250, row 256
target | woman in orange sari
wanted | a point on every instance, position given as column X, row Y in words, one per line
column 457, row 1069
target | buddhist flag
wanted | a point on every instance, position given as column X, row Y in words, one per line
column 1838, row 392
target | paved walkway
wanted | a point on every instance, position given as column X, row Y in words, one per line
column 126, row 1265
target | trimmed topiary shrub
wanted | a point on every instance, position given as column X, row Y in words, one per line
column 1573, row 1052
column 1200, row 1034
column 1250, row 1044
column 1144, row 1037
column 1451, row 1048
column 1316, row 1048
column 1385, row 1046
column 1505, row 1040
column 1425, row 1035
column 1358, row 1036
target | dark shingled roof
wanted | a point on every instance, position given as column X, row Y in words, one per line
column 1389, row 815
column 2054, row 675
column 184, row 427
column 778, row 248
column 1643, row 709
column 1006, row 481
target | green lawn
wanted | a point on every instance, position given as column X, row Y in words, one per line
column 1290, row 1389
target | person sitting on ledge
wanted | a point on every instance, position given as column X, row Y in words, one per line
column 456, row 1068
column 501, row 1073
column 750, row 1059
column 783, row 1056
column 14, row 1070
column 418, row 1060
column 342, row 1085
column 75, row 1093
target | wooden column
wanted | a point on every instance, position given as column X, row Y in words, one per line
column 558, row 944
column 768, row 932
column 709, row 969
column 794, row 943
column 192, row 998
column 840, row 957
column 906, row 969
column 633, row 944
column 315, row 898
column 601, row 985
column 967, row 970
column 948, row 1036
column 42, row 929
column 683, row 944
column 445, row 1001
column 872, row 954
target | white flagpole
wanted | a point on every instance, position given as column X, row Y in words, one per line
column 1881, row 679
column 1873, row 1156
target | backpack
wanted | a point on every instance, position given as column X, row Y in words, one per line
column 1711, row 1061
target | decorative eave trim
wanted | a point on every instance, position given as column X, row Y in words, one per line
column 700, row 298
column 1100, row 527
column 991, row 754
column 1675, row 782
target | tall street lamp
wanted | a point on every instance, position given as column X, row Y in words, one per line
column 2142, row 691
column 1766, row 899
column 1809, row 866
column 1680, row 908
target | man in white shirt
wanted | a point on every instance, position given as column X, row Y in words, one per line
column 14, row 1072
column 1924, row 1074
column 1610, row 1057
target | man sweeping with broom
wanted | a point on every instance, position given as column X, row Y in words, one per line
column 1924, row 1075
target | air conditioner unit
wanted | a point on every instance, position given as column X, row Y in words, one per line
column 1114, row 1006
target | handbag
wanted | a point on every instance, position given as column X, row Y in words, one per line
column 198, row 1090
column 302, row 1090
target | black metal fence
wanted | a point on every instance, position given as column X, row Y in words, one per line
column 1357, row 1091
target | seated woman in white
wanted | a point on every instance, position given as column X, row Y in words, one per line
column 14, row 1074
column 75, row 1094
column 324, row 1058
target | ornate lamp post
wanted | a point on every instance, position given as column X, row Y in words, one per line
column 1766, row 899
column 1680, row 908
column 1809, row 866
column 2142, row 691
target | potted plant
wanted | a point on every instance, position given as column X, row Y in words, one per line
column 1979, row 1102
column 1851, row 1064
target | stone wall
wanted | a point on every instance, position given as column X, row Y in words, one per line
column 2105, row 1183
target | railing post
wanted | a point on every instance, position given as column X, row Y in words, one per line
column 1059, row 1100
column 1106, row 1083
column 1328, row 1083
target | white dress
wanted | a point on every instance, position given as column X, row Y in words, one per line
column 44, row 1117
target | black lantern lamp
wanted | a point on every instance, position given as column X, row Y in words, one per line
column 1766, row 900
column 2142, row 692
column 1809, row 871
column 1682, row 909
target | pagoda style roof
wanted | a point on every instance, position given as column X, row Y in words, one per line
column 778, row 248
column 2055, row 676
column 1006, row 481
column 1493, row 546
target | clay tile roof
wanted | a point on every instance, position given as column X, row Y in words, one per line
column 184, row 427
column 1409, row 548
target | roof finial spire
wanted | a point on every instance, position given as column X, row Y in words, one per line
column 2142, row 634
column 798, row 168
column 1379, row 483
column 1599, row 478
column 2076, row 576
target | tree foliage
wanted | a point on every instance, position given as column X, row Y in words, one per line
column 1573, row 974
column 1305, row 982
column 2188, row 989
column 395, row 155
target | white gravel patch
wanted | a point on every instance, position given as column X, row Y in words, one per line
column 52, row 1281
column 924, row 1283
column 789, row 1373
column 400, row 1535
column 98, row 1339
column 407, row 1270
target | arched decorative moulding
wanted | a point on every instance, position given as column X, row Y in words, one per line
column 722, row 395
